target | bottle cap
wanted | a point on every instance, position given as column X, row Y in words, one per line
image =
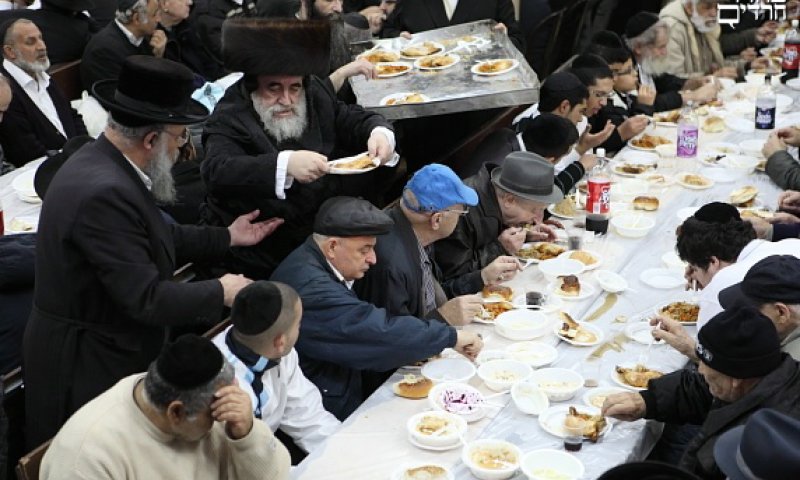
column 600, row 152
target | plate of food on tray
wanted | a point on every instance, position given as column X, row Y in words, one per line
column 380, row 56
column 424, row 49
column 392, row 69
column 404, row 98
column 499, row 66
column 437, row 62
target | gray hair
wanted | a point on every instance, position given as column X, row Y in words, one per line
column 319, row 238
column 8, row 39
column 133, row 133
column 126, row 16
column 648, row 37
column 160, row 393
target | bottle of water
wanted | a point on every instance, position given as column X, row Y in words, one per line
column 791, row 53
column 766, row 106
column 687, row 132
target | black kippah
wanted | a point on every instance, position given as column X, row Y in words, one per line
column 561, row 82
column 717, row 212
column 256, row 308
column 189, row 362
column 639, row 23
column 124, row 5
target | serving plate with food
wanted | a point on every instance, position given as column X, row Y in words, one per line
column 436, row 430
column 592, row 260
column 597, row 396
column 634, row 376
column 658, row 179
column 744, row 197
column 694, row 181
column 566, row 208
column 361, row 163
column 668, row 119
column 576, row 333
column 630, row 169
column 380, row 56
column 713, row 124
column 499, row 66
column 459, row 398
column 424, row 49
column 569, row 287
column 648, row 142
column 556, row 418
column 491, row 310
column 491, row 459
column 437, row 62
column 392, row 69
column 404, row 98
column 685, row 312
column 538, row 251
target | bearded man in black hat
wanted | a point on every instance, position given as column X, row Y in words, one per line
column 742, row 370
column 104, row 299
column 185, row 418
column 512, row 197
column 269, row 139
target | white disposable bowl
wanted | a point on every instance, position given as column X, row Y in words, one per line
column 457, row 427
column 742, row 164
column 610, row 281
column 560, row 384
column 633, row 225
column 491, row 354
column 562, row 462
column 493, row 373
column 556, row 267
column 522, row 324
column 752, row 147
column 458, row 370
column 400, row 473
column 473, row 413
column 535, row 354
column 629, row 188
column 486, row 473
column 528, row 398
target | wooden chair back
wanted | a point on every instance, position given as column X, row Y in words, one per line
column 28, row 466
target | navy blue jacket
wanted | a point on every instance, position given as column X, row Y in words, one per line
column 343, row 338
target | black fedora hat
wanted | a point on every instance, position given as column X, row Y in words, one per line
column 151, row 90
column 528, row 175
column 47, row 170
column 70, row 5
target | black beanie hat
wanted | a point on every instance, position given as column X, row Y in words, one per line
column 740, row 343
column 717, row 212
column 256, row 307
column 189, row 362
column 639, row 23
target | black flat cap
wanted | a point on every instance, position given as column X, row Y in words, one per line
column 256, row 307
column 189, row 362
column 773, row 279
column 351, row 217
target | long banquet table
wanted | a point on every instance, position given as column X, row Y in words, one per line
column 372, row 444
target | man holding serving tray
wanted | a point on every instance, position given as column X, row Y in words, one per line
column 271, row 136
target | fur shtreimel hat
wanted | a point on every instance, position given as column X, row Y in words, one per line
column 262, row 46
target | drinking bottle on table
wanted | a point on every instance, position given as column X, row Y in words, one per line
column 766, row 103
column 791, row 53
column 688, row 133
column 598, row 197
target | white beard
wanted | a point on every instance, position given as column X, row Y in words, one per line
column 282, row 129
column 160, row 172
column 40, row 66
column 653, row 66
column 700, row 23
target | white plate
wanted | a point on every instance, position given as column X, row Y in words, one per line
column 552, row 419
column 631, row 145
column 654, row 179
column 452, row 55
column 551, row 209
column 598, row 259
column 31, row 220
column 399, row 474
column 586, row 326
column 639, row 157
column 393, row 64
column 754, row 145
column 640, row 332
column 535, row 354
column 616, row 171
column 663, row 278
column 724, row 148
column 587, row 290
column 414, row 442
column 23, row 184
column 474, row 69
column 709, row 157
column 672, row 260
column 687, row 297
column 531, row 244
column 685, row 213
column 681, row 182
column 617, row 378
column 720, row 175
column 401, row 95
column 740, row 124
column 434, row 44
column 604, row 392
column 794, row 83
column 341, row 171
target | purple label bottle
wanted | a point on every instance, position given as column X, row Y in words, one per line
column 687, row 132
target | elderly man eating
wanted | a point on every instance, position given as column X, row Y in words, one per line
column 347, row 345
column 185, row 418
column 271, row 136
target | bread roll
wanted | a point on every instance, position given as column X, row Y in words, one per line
column 413, row 387
column 645, row 203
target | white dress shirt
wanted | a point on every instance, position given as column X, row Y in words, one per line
column 36, row 89
column 450, row 7
column 135, row 41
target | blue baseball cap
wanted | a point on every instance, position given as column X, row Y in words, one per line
column 437, row 187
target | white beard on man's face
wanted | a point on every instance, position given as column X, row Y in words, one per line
column 703, row 24
column 160, row 172
column 653, row 66
column 39, row 66
column 285, row 128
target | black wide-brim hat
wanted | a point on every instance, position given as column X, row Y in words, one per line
column 274, row 46
column 151, row 90
column 71, row 5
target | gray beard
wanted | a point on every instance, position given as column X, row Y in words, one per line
column 160, row 172
column 32, row 67
column 653, row 67
column 282, row 129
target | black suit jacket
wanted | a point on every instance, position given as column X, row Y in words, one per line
column 105, row 54
column 103, row 297
column 26, row 133
column 415, row 16
column 65, row 33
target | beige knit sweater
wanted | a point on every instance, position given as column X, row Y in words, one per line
column 110, row 438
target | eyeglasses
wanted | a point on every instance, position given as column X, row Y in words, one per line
column 602, row 94
column 619, row 73
column 182, row 139
column 460, row 212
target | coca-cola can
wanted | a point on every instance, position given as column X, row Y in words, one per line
column 598, row 198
